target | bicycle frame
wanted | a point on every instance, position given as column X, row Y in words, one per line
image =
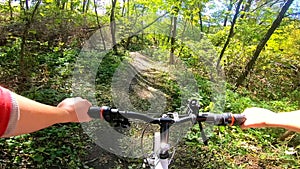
column 156, row 162
column 161, row 147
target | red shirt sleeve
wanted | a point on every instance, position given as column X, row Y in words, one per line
column 5, row 109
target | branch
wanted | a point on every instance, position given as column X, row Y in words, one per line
column 291, row 14
column 264, row 4
column 145, row 27
column 231, row 32
column 35, row 9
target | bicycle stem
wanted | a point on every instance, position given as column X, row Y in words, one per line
column 164, row 138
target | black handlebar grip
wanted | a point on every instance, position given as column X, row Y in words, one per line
column 104, row 112
column 94, row 112
column 239, row 119
column 224, row 119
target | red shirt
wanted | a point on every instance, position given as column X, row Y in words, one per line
column 5, row 109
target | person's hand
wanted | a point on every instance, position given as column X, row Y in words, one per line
column 257, row 117
column 77, row 109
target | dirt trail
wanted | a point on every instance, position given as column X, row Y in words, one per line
column 99, row 158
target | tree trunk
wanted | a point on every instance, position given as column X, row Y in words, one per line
column 23, row 61
column 27, row 5
column 10, row 10
column 173, row 39
column 123, row 8
column 230, row 35
column 22, row 6
column 87, row 6
column 63, row 5
column 99, row 26
column 113, row 25
column 184, row 29
column 128, row 6
column 83, row 6
column 170, row 33
column 200, row 17
column 229, row 8
column 262, row 43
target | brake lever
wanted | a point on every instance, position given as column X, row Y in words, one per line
column 194, row 108
column 120, row 121
column 203, row 136
column 115, row 119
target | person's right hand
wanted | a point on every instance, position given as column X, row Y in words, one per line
column 77, row 109
column 257, row 117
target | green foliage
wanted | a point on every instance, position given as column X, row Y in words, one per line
column 56, row 146
column 231, row 147
column 9, row 62
column 52, row 40
column 47, row 96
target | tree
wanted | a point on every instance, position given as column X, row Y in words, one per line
column 28, row 18
column 113, row 24
column 174, row 12
column 99, row 26
column 246, row 8
column 263, row 42
column 229, row 8
column 10, row 10
column 237, row 11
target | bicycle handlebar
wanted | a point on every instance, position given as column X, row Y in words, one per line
column 121, row 117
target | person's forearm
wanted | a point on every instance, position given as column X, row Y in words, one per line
column 288, row 120
column 35, row 116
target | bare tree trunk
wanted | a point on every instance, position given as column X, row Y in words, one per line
column 128, row 6
column 123, row 8
column 230, row 35
column 63, row 5
column 142, row 23
column 113, row 25
column 200, row 17
column 10, row 10
column 23, row 62
column 201, row 21
column 173, row 39
column 83, row 6
column 27, row 5
column 230, row 5
column 87, row 6
column 170, row 33
column 182, row 36
column 184, row 29
column 99, row 26
column 262, row 43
